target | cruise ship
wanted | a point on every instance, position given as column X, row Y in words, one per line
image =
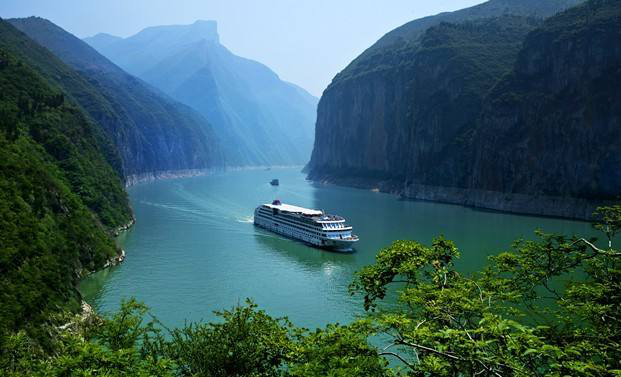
column 308, row 225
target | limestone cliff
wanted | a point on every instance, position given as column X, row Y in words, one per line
column 465, row 113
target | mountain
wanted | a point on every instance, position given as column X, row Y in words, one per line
column 394, row 124
column 406, row 37
column 154, row 134
column 260, row 119
column 60, row 197
column 551, row 129
column 417, row 114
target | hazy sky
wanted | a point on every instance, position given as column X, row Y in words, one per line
column 305, row 42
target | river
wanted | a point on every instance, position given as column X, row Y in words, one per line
column 194, row 248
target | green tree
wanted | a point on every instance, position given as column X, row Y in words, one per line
column 337, row 351
column 88, row 347
column 548, row 307
column 244, row 342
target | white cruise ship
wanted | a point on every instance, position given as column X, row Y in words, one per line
column 307, row 225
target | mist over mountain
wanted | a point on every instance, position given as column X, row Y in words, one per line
column 153, row 134
column 486, row 106
column 260, row 119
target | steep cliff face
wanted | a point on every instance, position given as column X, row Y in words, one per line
column 394, row 124
column 260, row 119
column 153, row 134
column 553, row 127
column 534, row 131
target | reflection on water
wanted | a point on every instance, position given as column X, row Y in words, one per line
column 194, row 248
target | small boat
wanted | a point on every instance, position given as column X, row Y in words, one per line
column 311, row 226
column 274, row 182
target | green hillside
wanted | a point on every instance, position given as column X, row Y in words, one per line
column 59, row 197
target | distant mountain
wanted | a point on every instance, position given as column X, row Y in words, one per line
column 260, row 119
column 496, row 109
column 154, row 134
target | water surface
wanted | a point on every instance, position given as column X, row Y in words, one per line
column 194, row 248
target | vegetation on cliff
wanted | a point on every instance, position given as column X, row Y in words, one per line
column 59, row 197
column 416, row 104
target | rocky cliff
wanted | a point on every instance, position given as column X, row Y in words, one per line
column 393, row 124
column 552, row 128
column 464, row 113
column 154, row 134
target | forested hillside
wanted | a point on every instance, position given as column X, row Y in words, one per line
column 153, row 134
column 60, row 197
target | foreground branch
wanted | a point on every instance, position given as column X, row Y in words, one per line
column 597, row 249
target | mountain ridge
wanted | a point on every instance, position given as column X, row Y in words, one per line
column 152, row 132
column 261, row 119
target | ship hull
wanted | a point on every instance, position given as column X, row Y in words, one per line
column 339, row 245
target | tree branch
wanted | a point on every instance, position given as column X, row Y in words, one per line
column 597, row 249
column 414, row 345
column 398, row 357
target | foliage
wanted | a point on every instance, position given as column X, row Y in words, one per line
column 337, row 351
column 56, row 191
column 103, row 347
column 247, row 342
column 244, row 342
column 608, row 220
column 548, row 307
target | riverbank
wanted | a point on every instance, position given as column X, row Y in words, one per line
column 534, row 205
column 134, row 179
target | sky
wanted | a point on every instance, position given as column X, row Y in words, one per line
column 305, row 42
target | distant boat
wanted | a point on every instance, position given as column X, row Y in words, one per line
column 308, row 225
column 274, row 182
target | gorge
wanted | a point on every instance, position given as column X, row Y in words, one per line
column 471, row 151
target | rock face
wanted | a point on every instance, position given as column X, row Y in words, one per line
column 553, row 126
column 153, row 134
column 394, row 124
column 464, row 113
column 260, row 119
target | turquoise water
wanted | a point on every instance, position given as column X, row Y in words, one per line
column 194, row 248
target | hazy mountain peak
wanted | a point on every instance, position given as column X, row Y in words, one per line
column 199, row 30
column 249, row 106
column 103, row 39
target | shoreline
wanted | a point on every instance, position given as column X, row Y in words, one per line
column 510, row 203
column 135, row 179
